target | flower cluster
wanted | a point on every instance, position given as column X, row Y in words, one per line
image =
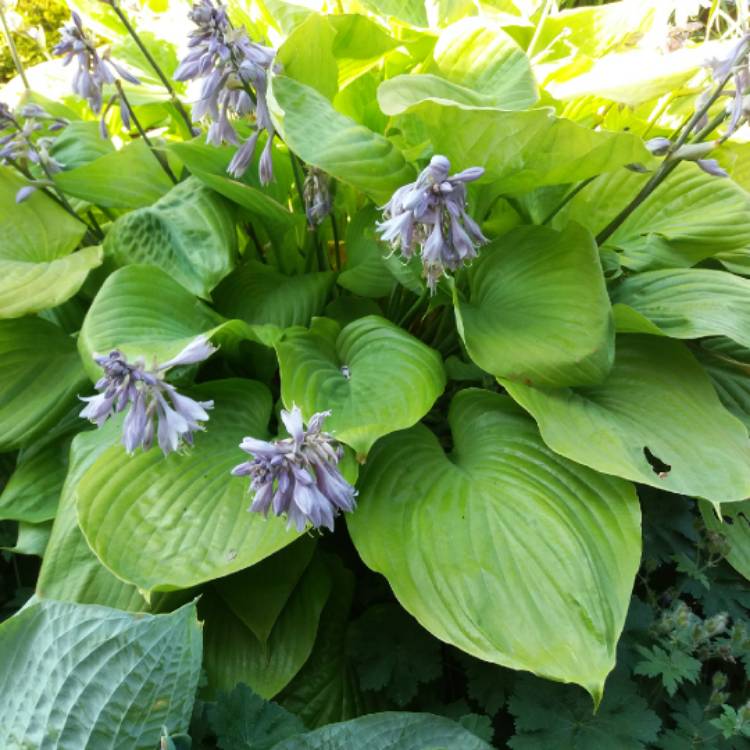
column 234, row 73
column 431, row 213
column 298, row 476
column 734, row 64
column 149, row 399
column 316, row 192
column 22, row 145
column 92, row 69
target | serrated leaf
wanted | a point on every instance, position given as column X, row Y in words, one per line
column 129, row 178
column 373, row 376
column 143, row 312
column 690, row 303
column 234, row 654
column 425, row 519
column 40, row 374
column 87, row 676
column 336, row 144
column 548, row 715
column 673, row 667
column 189, row 233
column 388, row 731
column 657, row 397
column 260, row 295
column 537, row 309
column 152, row 502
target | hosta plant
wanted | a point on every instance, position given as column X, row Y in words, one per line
column 344, row 346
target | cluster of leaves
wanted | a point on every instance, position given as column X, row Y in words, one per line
column 550, row 444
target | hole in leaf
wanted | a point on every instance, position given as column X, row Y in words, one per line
column 657, row 465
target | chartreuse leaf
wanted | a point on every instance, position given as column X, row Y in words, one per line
column 258, row 594
column 185, row 513
column 519, row 151
column 690, row 303
column 129, row 178
column 41, row 374
column 321, row 136
column 689, row 217
column 38, row 268
column 457, row 537
column 373, row 376
column 80, row 143
column 77, row 676
column 657, row 397
column 537, row 309
column 734, row 526
column 143, row 312
column 410, row 11
column 359, row 45
column 234, row 654
column 388, row 731
column 70, row 570
column 260, row 295
column 189, row 233
column 476, row 53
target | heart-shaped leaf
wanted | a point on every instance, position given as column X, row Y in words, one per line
column 690, row 303
column 143, row 312
column 185, row 513
column 458, row 538
column 189, row 233
column 260, row 295
column 321, row 136
column 538, row 310
column 373, row 376
column 656, row 419
column 38, row 268
column 41, row 374
column 88, row 676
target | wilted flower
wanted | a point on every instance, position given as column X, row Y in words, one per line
column 234, row 71
column 316, row 192
column 148, row 399
column 431, row 213
column 298, row 476
column 93, row 70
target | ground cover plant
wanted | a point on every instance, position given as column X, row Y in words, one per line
column 375, row 375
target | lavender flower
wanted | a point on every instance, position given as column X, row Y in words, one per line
column 93, row 70
column 234, row 71
column 316, row 192
column 150, row 401
column 431, row 213
column 298, row 476
column 735, row 63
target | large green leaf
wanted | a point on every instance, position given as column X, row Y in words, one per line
column 689, row 303
column 38, row 268
column 70, row 570
column 731, row 379
column 40, row 374
column 360, row 44
column 189, row 233
column 321, row 136
column 234, row 654
column 537, row 309
column 657, row 397
column 734, row 526
column 260, row 295
column 373, row 376
column 476, row 53
column 80, row 143
column 519, row 151
column 388, row 731
column 185, row 513
column 143, row 312
column 689, row 217
column 458, row 538
column 129, row 178
column 79, row 676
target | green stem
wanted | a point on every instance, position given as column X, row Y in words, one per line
column 538, row 31
column 12, row 48
column 298, row 181
column 157, row 154
column 152, row 62
column 569, row 197
column 413, row 309
column 337, row 247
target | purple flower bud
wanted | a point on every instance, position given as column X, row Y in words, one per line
column 149, row 400
column 711, row 166
column 317, row 195
column 298, row 476
column 659, row 146
column 25, row 192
